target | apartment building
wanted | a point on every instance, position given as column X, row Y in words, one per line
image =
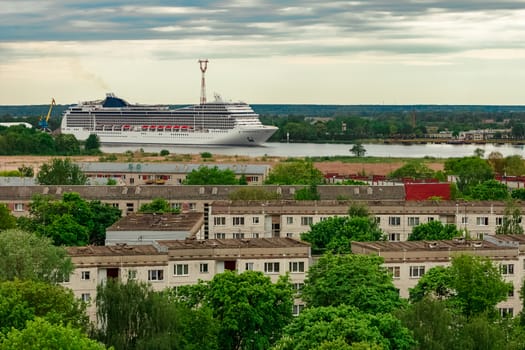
column 164, row 173
column 252, row 219
column 408, row 261
column 172, row 263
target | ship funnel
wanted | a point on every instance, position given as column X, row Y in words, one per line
column 203, row 65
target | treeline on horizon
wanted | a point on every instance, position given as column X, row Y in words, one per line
column 345, row 123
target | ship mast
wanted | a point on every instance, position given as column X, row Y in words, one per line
column 203, row 65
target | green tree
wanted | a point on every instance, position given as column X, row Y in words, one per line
column 356, row 280
column 250, row 309
column 433, row 231
column 67, row 144
column 473, row 285
column 7, row 220
column 511, row 222
column 158, row 205
column 489, row 190
column 92, row 144
column 415, row 169
column 518, row 193
column 253, row 193
column 70, row 221
column 309, row 193
column 479, row 152
column 26, row 171
column 497, row 162
column 211, row 176
column 469, row 171
column 133, row 316
column 295, row 173
column 27, row 256
column 41, row 334
column 514, row 165
column 21, row 301
column 61, row 172
column 344, row 327
column 335, row 234
column 358, row 150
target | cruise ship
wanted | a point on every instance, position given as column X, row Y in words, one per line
column 116, row 121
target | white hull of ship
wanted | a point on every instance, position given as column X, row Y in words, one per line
column 233, row 137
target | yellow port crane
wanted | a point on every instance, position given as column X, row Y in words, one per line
column 43, row 122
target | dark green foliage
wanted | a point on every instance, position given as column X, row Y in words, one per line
column 518, row 193
column 206, row 155
column 472, row 285
column 7, row 220
column 242, row 180
column 26, row 171
column 92, row 144
column 414, row 169
column 164, row 152
column 133, row 316
column 158, row 205
column 211, row 176
column 26, row 256
column 253, row 193
column 295, row 173
column 356, row 280
column 250, row 309
column 67, row 144
column 41, row 334
column 21, row 301
column 70, row 221
column 358, row 150
column 469, row 171
column 433, row 231
column 309, row 193
column 61, row 172
column 489, row 190
column 335, row 234
column 346, row 327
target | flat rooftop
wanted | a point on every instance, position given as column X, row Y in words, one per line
column 158, row 222
column 233, row 243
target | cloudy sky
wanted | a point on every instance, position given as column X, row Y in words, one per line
column 321, row 52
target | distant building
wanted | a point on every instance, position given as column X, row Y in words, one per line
column 174, row 263
column 409, row 261
column 9, row 124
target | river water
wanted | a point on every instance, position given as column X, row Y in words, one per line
column 321, row 150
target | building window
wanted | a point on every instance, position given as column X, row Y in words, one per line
column 298, row 287
column 511, row 292
column 176, row 206
column 430, row 218
column 377, row 219
column 413, row 220
column 255, row 235
column 394, row 220
column 296, row 266
column 417, row 271
column 114, row 205
column 238, row 235
column 289, row 220
column 132, row 274
column 238, row 220
column 289, row 235
column 129, row 207
column 84, row 275
column 219, row 221
column 220, row 236
column 506, row 311
column 203, row 268
column 19, row 207
column 395, row 271
column 86, row 297
column 155, row 275
column 394, row 237
column 297, row 309
column 307, row 220
column 271, row 267
column 180, row 269
column 482, row 221
column 249, row 266
column 507, row 269
column 255, row 220
column 464, row 220
column 499, row 221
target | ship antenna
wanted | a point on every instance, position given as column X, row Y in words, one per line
column 203, row 65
